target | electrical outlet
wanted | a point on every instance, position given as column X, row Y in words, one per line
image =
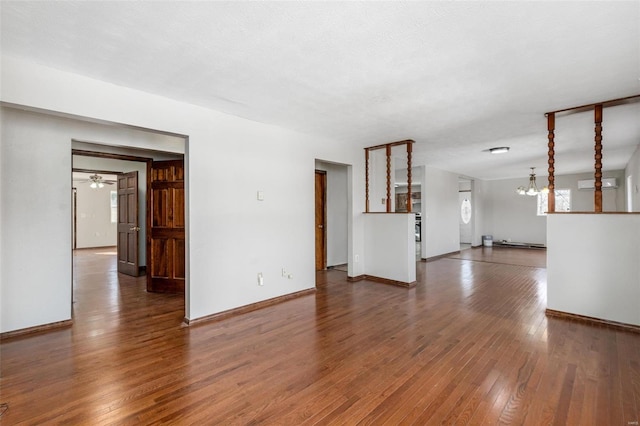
column 384, row 201
column 260, row 279
column 357, row 258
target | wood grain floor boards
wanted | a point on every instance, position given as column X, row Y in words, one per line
column 469, row 345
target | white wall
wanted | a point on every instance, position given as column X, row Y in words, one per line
column 510, row 216
column 633, row 170
column 37, row 148
column 592, row 265
column 36, row 226
column 390, row 249
column 93, row 216
column 582, row 199
column 440, row 213
column 337, row 212
column 513, row 217
column 230, row 235
column 478, row 195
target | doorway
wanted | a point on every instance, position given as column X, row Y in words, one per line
column 94, row 208
column 124, row 177
column 332, row 214
column 134, row 217
column 465, row 205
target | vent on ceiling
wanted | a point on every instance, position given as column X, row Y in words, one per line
column 590, row 183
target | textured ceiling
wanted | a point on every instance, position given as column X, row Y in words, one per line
column 457, row 77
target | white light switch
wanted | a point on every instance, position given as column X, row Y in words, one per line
column 260, row 196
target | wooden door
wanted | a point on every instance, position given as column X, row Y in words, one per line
column 128, row 226
column 166, row 249
column 321, row 214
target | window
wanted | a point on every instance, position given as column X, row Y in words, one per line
column 563, row 201
column 114, row 206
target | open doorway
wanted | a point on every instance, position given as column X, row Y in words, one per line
column 127, row 205
column 466, row 205
column 94, row 209
column 135, row 182
column 332, row 211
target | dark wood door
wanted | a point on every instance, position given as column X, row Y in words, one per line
column 321, row 229
column 128, row 226
column 166, row 250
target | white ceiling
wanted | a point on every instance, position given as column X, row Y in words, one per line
column 457, row 77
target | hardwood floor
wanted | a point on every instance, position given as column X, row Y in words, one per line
column 470, row 344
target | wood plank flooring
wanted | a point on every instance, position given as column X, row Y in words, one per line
column 470, row 344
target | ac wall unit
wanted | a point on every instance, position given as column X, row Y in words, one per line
column 590, row 183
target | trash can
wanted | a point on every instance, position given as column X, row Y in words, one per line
column 487, row 240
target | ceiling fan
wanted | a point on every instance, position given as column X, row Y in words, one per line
column 96, row 181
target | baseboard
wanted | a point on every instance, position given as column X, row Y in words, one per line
column 381, row 280
column 519, row 245
column 249, row 308
column 593, row 321
column 431, row 259
column 37, row 329
column 95, row 248
column 391, row 282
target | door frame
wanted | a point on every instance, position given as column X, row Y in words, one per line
column 74, row 230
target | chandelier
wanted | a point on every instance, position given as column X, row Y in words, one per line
column 533, row 188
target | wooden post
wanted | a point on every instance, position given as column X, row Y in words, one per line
column 551, row 196
column 598, row 157
column 409, row 197
column 366, row 180
column 388, row 178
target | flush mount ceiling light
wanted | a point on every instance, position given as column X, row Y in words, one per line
column 499, row 150
column 533, row 188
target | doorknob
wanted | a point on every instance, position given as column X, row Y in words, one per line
column 134, row 228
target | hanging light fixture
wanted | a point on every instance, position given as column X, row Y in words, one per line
column 533, row 188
